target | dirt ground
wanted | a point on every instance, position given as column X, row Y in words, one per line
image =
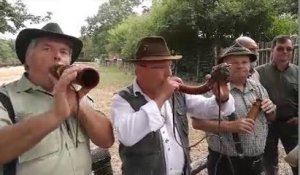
column 103, row 96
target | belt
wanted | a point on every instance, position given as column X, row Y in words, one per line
column 238, row 158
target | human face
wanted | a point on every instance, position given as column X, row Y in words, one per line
column 252, row 46
column 151, row 75
column 282, row 52
column 45, row 53
column 240, row 66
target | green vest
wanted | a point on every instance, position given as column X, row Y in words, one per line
column 147, row 156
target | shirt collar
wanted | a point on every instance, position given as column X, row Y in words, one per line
column 137, row 89
column 24, row 84
column 249, row 86
column 275, row 67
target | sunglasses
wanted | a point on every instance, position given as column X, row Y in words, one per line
column 281, row 49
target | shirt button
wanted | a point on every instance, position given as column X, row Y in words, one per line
column 167, row 140
column 169, row 149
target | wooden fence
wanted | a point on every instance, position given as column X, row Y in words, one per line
column 205, row 63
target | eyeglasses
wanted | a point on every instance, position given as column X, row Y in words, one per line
column 169, row 66
column 281, row 49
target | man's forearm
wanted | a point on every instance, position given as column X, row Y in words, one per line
column 210, row 125
column 97, row 126
column 17, row 138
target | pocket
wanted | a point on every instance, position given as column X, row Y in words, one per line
column 292, row 88
column 182, row 119
column 46, row 147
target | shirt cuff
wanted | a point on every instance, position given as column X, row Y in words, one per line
column 228, row 107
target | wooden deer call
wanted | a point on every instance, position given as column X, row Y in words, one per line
column 88, row 77
column 219, row 73
column 254, row 110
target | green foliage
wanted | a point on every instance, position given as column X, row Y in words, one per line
column 285, row 24
column 109, row 15
column 7, row 53
column 285, row 6
column 194, row 28
column 12, row 17
column 112, row 76
column 124, row 37
column 162, row 19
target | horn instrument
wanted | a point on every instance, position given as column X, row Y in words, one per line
column 88, row 77
column 254, row 110
column 219, row 73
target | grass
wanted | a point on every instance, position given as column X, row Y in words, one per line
column 114, row 77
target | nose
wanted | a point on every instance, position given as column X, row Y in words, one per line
column 167, row 72
column 57, row 56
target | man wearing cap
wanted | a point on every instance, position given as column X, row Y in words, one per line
column 52, row 124
column 239, row 145
column 150, row 115
column 280, row 78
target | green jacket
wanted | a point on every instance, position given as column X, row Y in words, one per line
column 282, row 87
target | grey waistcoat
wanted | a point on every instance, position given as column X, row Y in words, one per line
column 146, row 157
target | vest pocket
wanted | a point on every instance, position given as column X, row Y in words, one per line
column 46, row 147
column 182, row 119
column 294, row 88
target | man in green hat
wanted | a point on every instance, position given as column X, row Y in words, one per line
column 149, row 116
column 47, row 127
column 250, row 44
column 240, row 144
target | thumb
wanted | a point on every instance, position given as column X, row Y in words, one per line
column 52, row 79
column 82, row 92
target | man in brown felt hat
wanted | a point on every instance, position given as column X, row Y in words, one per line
column 39, row 131
column 242, row 138
column 150, row 115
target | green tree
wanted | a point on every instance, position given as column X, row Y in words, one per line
column 7, row 53
column 13, row 16
column 109, row 14
column 283, row 24
column 285, row 6
column 198, row 29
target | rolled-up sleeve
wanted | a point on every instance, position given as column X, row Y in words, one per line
column 207, row 108
column 131, row 126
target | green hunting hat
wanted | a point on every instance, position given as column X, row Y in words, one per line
column 49, row 30
column 237, row 51
column 153, row 48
